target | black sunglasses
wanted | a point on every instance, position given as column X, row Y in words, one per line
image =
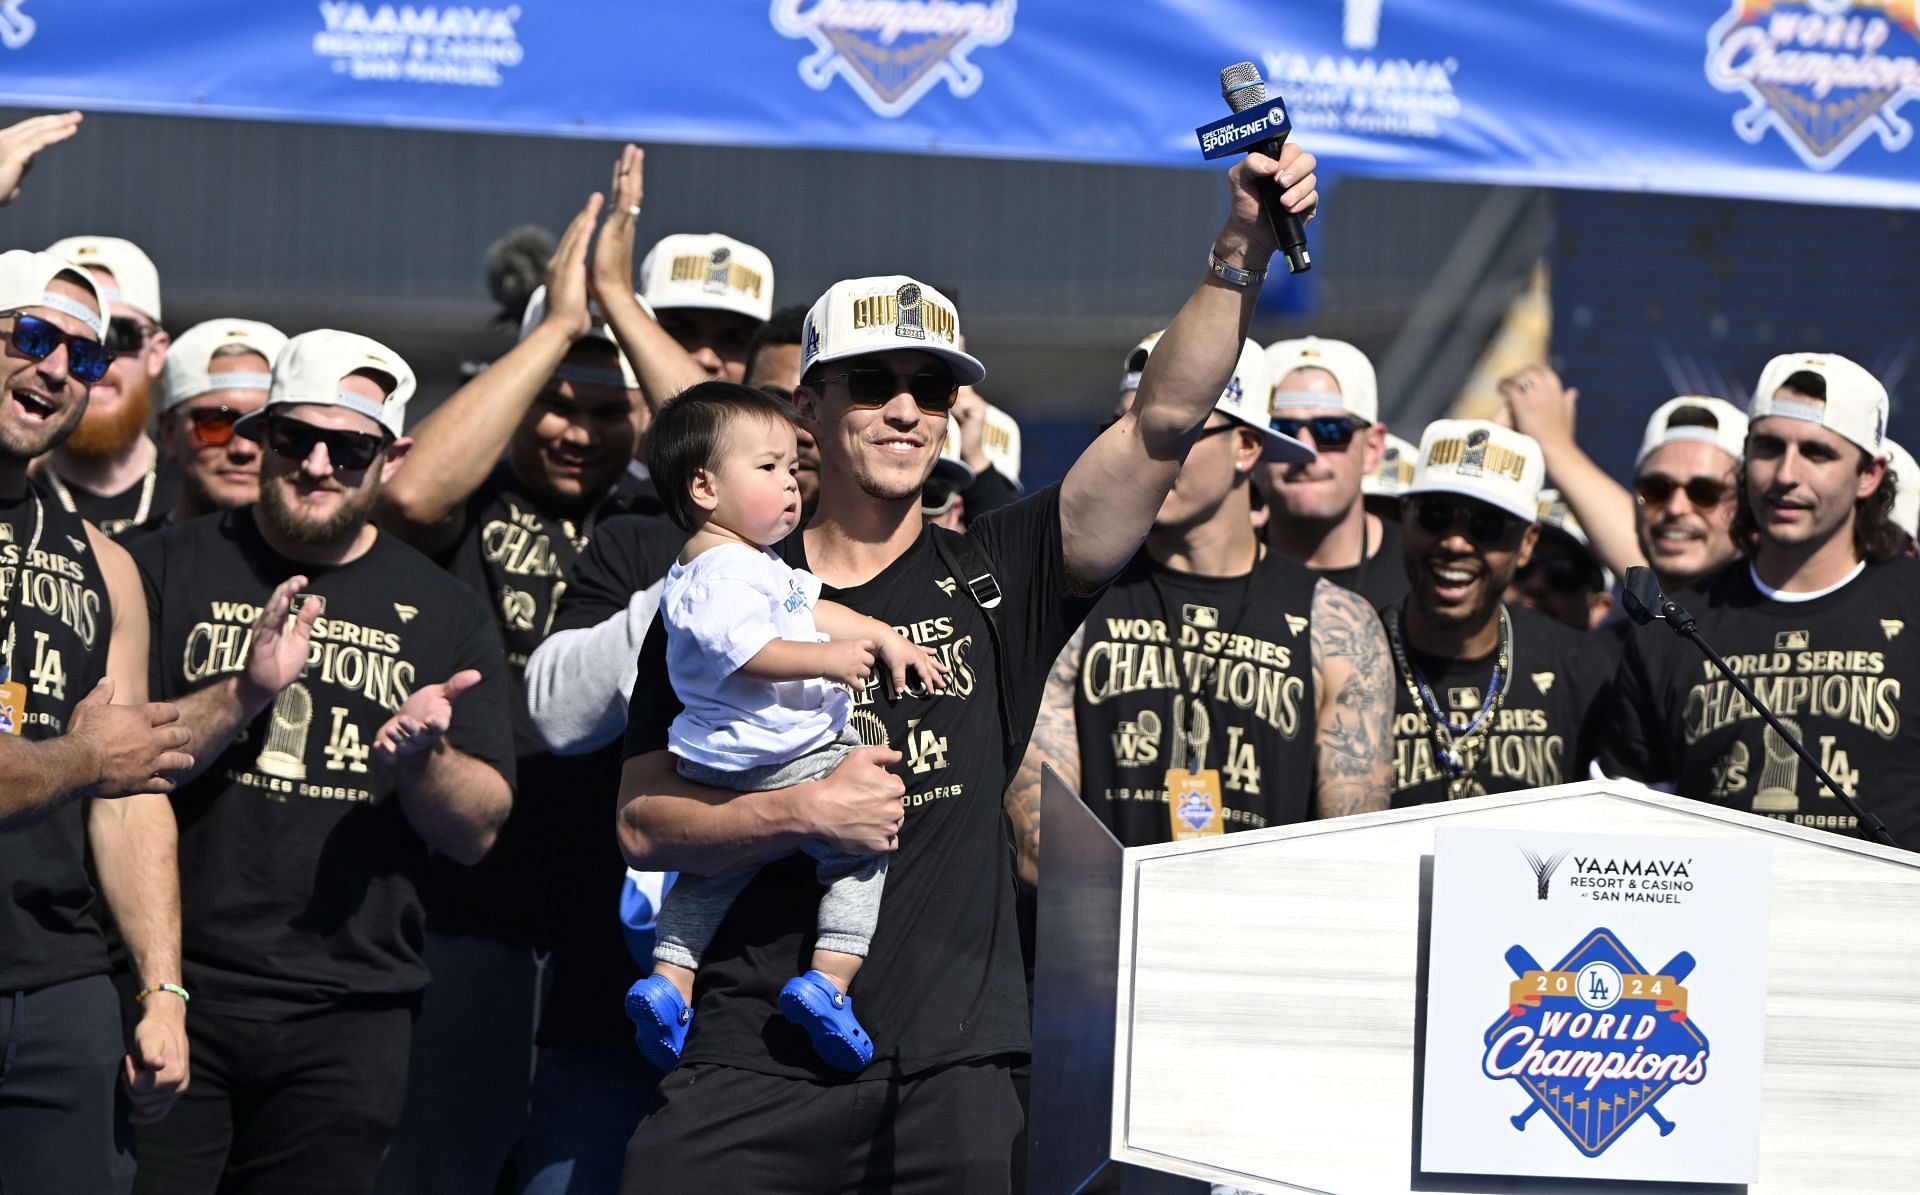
column 34, row 337
column 1485, row 526
column 1562, row 575
column 125, row 336
column 1656, row 489
column 347, row 451
column 934, row 389
column 1333, row 432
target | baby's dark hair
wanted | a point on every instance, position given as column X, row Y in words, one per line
column 688, row 433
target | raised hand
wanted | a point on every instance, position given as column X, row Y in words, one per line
column 567, row 273
column 612, row 273
column 281, row 636
column 1299, row 191
column 135, row 749
column 1540, row 406
column 424, row 719
column 19, row 143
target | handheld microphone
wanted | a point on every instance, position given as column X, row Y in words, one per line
column 1242, row 87
column 1645, row 603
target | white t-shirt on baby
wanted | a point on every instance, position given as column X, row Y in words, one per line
column 720, row 610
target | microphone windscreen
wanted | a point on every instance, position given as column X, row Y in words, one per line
column 1242, row 86
column 1642, row 593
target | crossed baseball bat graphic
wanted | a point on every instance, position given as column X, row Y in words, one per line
column 1679, row 967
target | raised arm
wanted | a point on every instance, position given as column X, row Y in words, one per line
column 1542, row 408
column 456, row 803
column 1109, row 497
column 458, row 445
column 1055, row 743
column 1353, row 738
column 663, row 367
column 278, row 651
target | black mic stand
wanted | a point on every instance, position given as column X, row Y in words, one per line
column 1645, row 603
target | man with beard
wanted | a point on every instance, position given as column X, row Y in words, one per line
column 216, row 375
column 1135, row 716
column 349, row 709
column 74, row 640
column 506, row 484
column 943, row 996
column 1492, row 697
column 108, row 471
column 1678, row 518
column 1318, row 515
column 1816, row 619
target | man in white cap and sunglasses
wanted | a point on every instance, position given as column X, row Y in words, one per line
column 1820, row 618
column 109, row 471
column 216, row 374
column 943, row 991
column 349, row 708
column 1493, row 697
column 85, row 766
column 1325, row 392
column 1219, row 685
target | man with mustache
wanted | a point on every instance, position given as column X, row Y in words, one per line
column 349, row 709
column 216, row 375
column 1326, row 391
column 1491, row 697
column 83, row 783
column 1817, row 618
column 109, row 471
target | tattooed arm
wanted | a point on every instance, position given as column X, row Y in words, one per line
column 1054, row 742
column 1353, row 742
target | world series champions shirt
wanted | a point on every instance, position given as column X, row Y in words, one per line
column 1178, row 670
column 1544, row 732
column 298, row 866
column 943, row 982
column 59, row 622
column 1842, row 671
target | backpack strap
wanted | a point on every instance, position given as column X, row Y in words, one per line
column 968, row 561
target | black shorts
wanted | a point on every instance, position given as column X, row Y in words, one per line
column 717, row 1128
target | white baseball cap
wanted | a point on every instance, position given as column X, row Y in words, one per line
column 1135, row 364
column 186, row 376
column 891, row 311
column 1245, row 400
column 710, row 270
column 1477, row 459
column 1906, row 494
column 1359, row 389
column 1722, row 425
column 312, row 365
column 1855, row 406
column 1395, row 473
column 1000, row 440
column 136, row 281
column 24, row 276
column 600, row 330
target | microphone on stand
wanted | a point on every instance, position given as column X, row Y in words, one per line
column 1645, row 603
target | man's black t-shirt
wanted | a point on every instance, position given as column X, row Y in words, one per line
column 1544, row 733
column 297, row 865
column 516, row 551
column 591, row 968
column 1239, row 684
column 944, row 981
column 1834, row 669
column 1380, row 578
column 133, row 511
column 54, row 635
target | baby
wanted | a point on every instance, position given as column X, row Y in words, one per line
column 763, row 667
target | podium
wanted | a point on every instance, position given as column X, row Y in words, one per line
column 1247, row 1010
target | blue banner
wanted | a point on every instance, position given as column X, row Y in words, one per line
column 1800, row 100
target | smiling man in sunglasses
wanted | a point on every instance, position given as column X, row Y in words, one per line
column 1563, row 579
column 216, row 375
column 349, row 707
column 109, row 471
column 73, row 640
column 1326, row 393
column 750, row 1107
column 1820, row 618
column 1491, row 697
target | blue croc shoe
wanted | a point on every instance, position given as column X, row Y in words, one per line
column 660, row 1019
column 826, row 1013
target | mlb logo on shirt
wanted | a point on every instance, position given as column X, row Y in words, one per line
column 1792, row 641
column 1467, row 698
column 1205, row 617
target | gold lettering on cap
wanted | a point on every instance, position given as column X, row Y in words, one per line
column 695, row 268
column 874, row 310
column 1499, row 460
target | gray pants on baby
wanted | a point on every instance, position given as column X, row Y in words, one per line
column 695, row 905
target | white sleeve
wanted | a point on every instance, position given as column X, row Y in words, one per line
column 579, row 680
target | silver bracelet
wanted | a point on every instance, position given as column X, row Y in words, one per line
column 1233, row 275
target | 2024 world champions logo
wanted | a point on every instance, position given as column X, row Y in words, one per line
column 1827, row 75
column 892, row 52
column 1596, row 1039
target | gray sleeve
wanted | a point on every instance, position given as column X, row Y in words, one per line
column 579, row 680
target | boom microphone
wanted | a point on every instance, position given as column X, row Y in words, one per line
column 1243, row 88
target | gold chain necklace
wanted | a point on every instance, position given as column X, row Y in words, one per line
column 1452, row 745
